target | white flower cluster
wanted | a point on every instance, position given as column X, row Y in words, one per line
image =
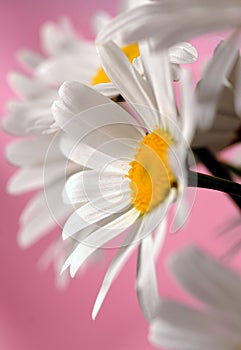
column 107, row 132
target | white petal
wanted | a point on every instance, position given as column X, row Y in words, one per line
column 208, row 280
column 147, row 286
column 98, row 239
column 107, row 89
column 180, row 327
column 31, row 151
column 131, row 18
column 30, row 59
column 100, row 20
column 77, row 67
column 183, row 53
column 189, row 122
column 158, row 73
column 31, row 178
column 93, row 126
column 87, row 156
column 56, row 38
column 88, row 185
column 182, row 206
column 116, row 265
column 187, row 21
column 159, row 238
column 23, row 117
column 27, row 87
column 41, row 216
column 92, row 212
column 130, row 84
column 214, row 78
column 151, row 221
column 237, row 90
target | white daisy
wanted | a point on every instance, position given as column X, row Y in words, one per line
column 113, row 193
column 65, row 56
column 31, row 119
column 168, row 23
column 216, row 323
column 132, row 174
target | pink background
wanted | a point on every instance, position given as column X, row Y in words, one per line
column 33, row 314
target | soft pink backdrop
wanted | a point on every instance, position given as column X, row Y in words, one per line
column 33, row 314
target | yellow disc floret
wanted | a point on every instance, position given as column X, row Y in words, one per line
column 131, row 51
column 150, row 173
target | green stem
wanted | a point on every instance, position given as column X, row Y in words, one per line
column 214, row 183
column 218, row 170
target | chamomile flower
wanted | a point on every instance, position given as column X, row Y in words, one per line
column 130, row 174
column 134, row 166
column 215, row 324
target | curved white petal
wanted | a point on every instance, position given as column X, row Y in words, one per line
column 23, row 117
column 182, row 53
column 128, row 81
column 87, row 156
column 158, row 73
column 108, row 122
column 208, row 280
column 100, row 21
column 147, row 286
column 32, row 151
column 57, row 38
column 88, row 185
column 107, row 89
column 116, row 265
column 213, row 79
column 176, row 23
column 77, row 67
column 27, row 87
column 30, row 59
column 93, row 212
column 188, row 118
column 179, row 327
column 42, row 214
column 31, row 178
column 97, row 239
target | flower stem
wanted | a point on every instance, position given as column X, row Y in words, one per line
column 218, row 170
column 214, row 183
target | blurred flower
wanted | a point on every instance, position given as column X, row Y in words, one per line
column 31, row 119
column 215, row 324
column 174, row 20
column 177, row 22
column 138, row 164
column 226, row 113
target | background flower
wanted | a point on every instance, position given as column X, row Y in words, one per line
column 215, row 322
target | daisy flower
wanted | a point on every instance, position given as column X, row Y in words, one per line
column 131, row 174
column 65, row 56
column 31, row 119
column 134, row 166
column 215, row 324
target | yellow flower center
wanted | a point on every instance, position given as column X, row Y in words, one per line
column 131, row 51
column 150, row 173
